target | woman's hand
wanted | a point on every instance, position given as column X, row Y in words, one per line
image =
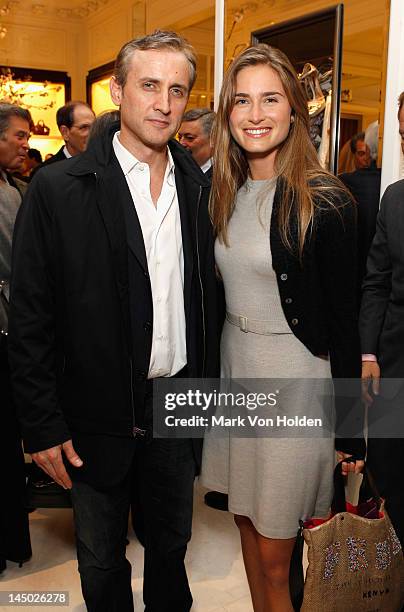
column 370, row 379
column 354, row 466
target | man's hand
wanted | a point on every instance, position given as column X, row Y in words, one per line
column 354, row 466
column 370, row 378
column 50, row 461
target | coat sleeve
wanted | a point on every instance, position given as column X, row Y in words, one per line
column 214, row 307
column 32, row 325
column 377, row 285
column 337, row 260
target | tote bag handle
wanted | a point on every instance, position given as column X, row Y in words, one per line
column 368, row 485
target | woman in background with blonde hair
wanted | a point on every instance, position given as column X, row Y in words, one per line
column 286, row 251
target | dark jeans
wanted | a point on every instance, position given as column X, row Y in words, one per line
column 164, row 472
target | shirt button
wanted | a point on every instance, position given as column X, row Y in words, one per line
column 158, row 299
column 284, row 277
column 288, row 301
column 141, row 168
column 295, row 321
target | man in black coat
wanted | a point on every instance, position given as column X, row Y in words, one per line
column 74, row 121
column 382, row 339
column 114, row 286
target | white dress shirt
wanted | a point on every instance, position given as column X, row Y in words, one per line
column 66, row 152
column 161, row 229
column 208, row 164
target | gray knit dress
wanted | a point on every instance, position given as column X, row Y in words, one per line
column 273, row 481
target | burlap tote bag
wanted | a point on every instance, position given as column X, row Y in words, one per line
column 355, row 558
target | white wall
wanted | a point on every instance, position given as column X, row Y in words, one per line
column 392, row 162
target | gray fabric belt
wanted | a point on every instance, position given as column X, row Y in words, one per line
column 264, row 328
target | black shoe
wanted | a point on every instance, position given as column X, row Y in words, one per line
column 216, row 500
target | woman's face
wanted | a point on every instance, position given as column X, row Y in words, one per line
column 261, row 116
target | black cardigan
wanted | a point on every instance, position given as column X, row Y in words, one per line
column 318, row 293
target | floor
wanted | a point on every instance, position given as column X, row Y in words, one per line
column 214, row 562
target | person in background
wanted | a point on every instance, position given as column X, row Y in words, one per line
column 286, row 250
column 372, row 140
column 113, row 288
column 346, row 159
column 102, row 123
column 364, row 185
column 381, row 325
column 74, row 121
column 15, row 127
column 360, row 151
column 34, row 159
column 195, row 135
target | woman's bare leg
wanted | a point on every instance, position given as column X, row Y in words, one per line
column 275, row 558
column 252, row 561
column 267, row 563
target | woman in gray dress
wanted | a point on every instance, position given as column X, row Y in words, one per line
column 285, row 249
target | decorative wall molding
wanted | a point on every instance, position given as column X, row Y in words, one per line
column 50, row 47
column 57, row 9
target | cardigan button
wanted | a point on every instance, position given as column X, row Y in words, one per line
column 284, row 277
column 288, row 301
column 295, row 321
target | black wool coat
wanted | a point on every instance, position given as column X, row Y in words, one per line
column 81, row 305
column 381, row 316
column 318, row 295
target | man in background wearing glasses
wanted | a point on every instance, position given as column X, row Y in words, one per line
column 74, row 121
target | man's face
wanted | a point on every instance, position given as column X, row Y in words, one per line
column 14, row 144
column 362, row 155
column 401, row 127
column 193, row 138
column 76, row 136
column 153, row 99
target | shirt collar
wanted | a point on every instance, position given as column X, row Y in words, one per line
column 208, row 164
column 66, row 152
column 128, row 161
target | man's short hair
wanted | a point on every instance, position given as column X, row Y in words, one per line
column 8, row 110
column 206, row 116
column 400, row 103
column 159, row 40
column 355, row 139
column 65, row 114
column 35, row 154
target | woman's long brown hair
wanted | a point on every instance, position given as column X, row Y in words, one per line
column 304, row 182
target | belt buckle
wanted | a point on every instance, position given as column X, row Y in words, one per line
column 243, row 322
